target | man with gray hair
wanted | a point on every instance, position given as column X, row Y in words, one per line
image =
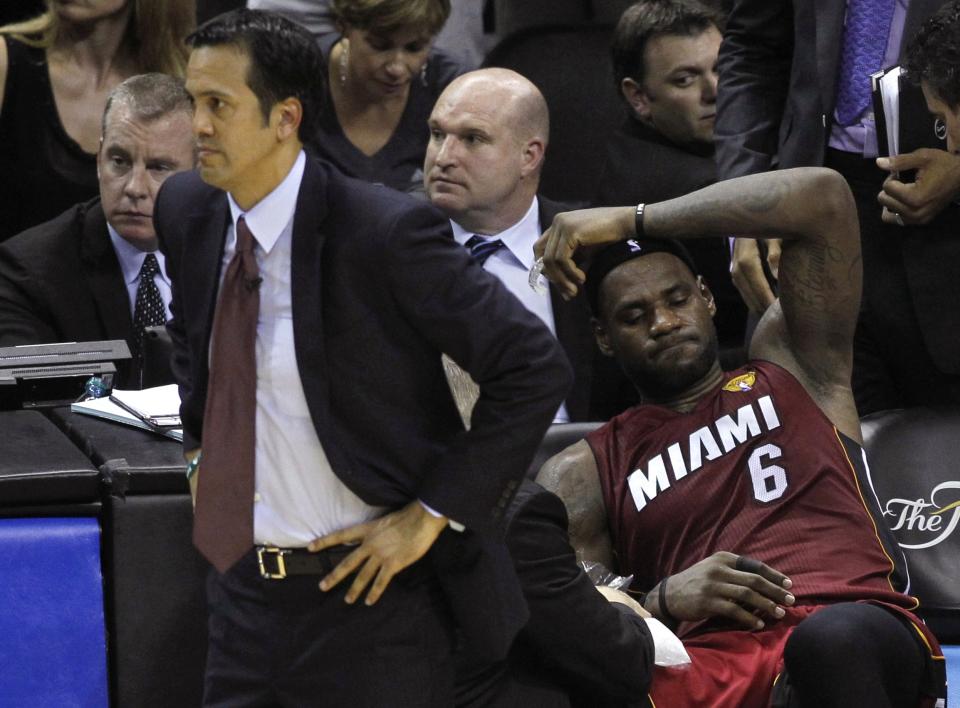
column 94, row 272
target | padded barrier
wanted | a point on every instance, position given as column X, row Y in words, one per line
column 157, row 600
column 155, row 578
column 952, row 654
column 39, row 466
column 132, row 461
column 54, row 650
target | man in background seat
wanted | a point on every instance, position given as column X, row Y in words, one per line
column 489, row 134
column 94, row 272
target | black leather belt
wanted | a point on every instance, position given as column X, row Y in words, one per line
column 278, row 563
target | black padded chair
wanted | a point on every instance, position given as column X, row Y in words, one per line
column 157, row 353
column 570, row 64
column 558, row 437
column 916, row 477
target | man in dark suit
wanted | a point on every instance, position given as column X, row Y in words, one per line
column 665, row 66
column 310, row 312
column 80, row 276
column 489, row 133
column 583, row 645
column 790, row 95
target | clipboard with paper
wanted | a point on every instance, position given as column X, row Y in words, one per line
column 155, row 409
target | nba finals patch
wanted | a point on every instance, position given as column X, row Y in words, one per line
column 742, row 383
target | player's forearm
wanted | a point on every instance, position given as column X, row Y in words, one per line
column 800, row 204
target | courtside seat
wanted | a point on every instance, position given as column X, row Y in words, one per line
column 558, row 437
column 916, row 476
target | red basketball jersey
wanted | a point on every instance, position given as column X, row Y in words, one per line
column 756, row 469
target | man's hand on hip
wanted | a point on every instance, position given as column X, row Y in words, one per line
column 387, row 546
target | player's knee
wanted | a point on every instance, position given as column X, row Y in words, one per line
column 823, row 642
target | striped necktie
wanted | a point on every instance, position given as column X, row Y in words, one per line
column 481, row 248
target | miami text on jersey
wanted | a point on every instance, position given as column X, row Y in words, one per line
column 707, row 443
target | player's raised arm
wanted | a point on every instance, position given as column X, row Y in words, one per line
column 809, row 330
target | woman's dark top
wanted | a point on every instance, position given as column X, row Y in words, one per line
column 44, row 171
column 399, row 163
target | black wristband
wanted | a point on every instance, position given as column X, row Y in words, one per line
column 662, row 601
column 638, row 219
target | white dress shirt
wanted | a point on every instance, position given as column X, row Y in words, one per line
column 512, row 264
column 131, row 261
column 298, row 497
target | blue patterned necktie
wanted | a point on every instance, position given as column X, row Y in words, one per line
column 865, row 37
column 481, row 249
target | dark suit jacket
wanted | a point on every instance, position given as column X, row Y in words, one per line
column 379, row 290
column 577, row 648
column 600, row 389
column 572, row 321
column 60, row 281
column 778, row 81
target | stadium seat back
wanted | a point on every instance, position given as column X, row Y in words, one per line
column 915, row 473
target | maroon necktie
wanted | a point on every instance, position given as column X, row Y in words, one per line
column 223, row 519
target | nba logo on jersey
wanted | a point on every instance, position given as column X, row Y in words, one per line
column 742, row 383
column 634, row 246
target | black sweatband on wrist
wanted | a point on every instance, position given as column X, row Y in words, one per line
column 638, row 219
column 662, row 601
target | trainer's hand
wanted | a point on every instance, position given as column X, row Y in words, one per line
column 614, row 595
column 387, row 546
column 937, row 183
column 747, row 274
column 714, row 587
column 574, row 231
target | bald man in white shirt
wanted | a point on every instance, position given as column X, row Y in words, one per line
column 489, row 133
